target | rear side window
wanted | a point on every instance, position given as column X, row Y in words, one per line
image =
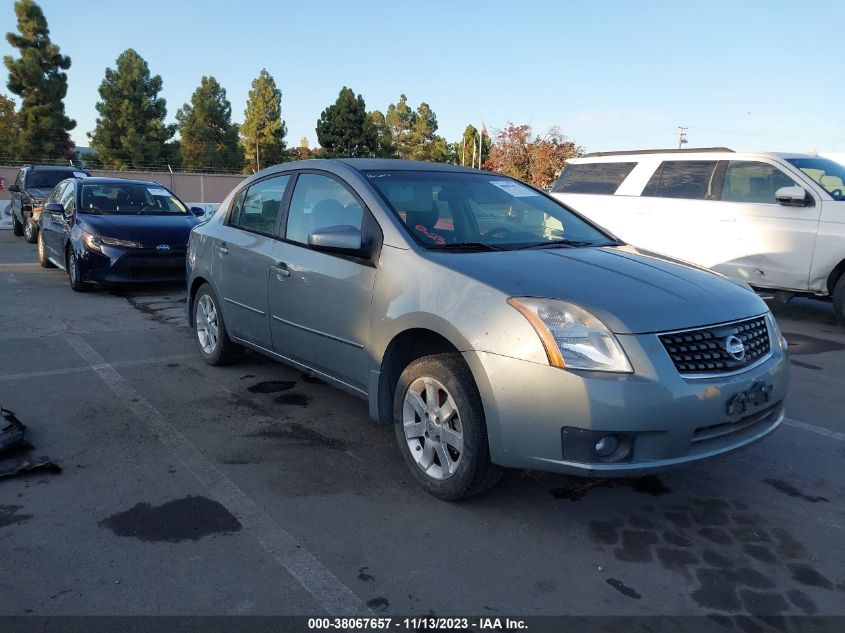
column 752, row 181
column 593, row 177
column 689, row 179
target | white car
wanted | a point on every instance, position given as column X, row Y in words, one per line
column 775, row 221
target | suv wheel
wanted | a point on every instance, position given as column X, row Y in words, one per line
column 839, row 299
column 441, row 429
column 17, row 227
column 30, row 231
column 212, row 339
column 42, row 253
column 73, row 272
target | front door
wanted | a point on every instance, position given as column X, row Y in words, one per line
column 241, row 259
column 320, row 302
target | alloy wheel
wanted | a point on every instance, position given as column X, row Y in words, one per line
column 72, row 269
column 433, row 429
column 28, row 229
column 207, row 324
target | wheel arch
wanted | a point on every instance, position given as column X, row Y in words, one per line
column 196, row 283
column 834, row 276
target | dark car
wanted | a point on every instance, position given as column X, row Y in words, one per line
column 29, row 192
column 111, row 231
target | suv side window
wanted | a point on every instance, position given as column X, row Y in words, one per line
column 593, row 178
column 258, row 207
column 319, row 202
column 753, row 181
column 688, row 179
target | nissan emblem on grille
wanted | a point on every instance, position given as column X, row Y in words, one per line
column 735, row 347
column 163, row 248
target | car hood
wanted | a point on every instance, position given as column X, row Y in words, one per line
column 146, row 229
column 32, row 192
column 632, row 291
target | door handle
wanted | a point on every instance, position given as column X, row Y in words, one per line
column 222, row 248
column 281, row 269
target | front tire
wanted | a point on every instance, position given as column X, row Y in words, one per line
column 212, row 339
column 30, row 231
column 839, row 299
column 42, row 253
column 74, row 273
column 441, row 429
column 17, row 227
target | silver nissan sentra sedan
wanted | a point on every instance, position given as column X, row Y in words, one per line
column 491, row 325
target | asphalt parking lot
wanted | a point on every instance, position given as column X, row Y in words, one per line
column 253, row 489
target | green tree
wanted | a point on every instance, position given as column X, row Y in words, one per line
column 400, row 122
column 8, row 128
column 263, row 130
column 342, row 128
column 424, row 143
column 378, row 129
column 36, row 76
column 130, row 130
column 467, row 148
column 208, row 138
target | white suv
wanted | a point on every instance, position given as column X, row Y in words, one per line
column 773, row 220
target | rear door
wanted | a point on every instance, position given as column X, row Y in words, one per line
column 320, row 302
column 771, row 244
column 241, row 259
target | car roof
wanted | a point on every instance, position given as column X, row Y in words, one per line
column 702, row 154
column 366, row 164
column 102, row 180
column 53, row 168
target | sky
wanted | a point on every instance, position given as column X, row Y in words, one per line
column 754, row 75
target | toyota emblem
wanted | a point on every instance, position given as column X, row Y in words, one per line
column 165, row 248
column 735, row 347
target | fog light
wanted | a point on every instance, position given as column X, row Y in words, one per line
column 607, row 446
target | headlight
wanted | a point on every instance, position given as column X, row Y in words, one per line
column 776, row 337
column 95, row 242
column 573, row 338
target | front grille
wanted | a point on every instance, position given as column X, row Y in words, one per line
column 152, row 266
column 705, row 351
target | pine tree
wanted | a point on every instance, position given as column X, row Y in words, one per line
column 36, row 76
column 263, row 130
column 342, row 129
column 209, row 139
column 130, row 130
column 378, row 129
column 8, row 128
column 400, row 121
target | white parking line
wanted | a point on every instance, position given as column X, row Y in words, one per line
column 812, row 428
column 87, row 368
column 332, row 595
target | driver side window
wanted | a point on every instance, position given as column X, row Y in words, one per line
column 320, row 202
column 68, row 199
column 752, row 181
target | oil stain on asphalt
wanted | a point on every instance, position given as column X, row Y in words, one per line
column 9, row 515
column 187, row 519
column 271, row 386
column 733, row 560
column 803, row 344
column 301, row 434
column 649, row 485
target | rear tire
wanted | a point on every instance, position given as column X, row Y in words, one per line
column 839, row 299
column 210, row 329
column 74, row 273
column 439, row 419
column 17, row 227
column 42, row 253
column 30, row 231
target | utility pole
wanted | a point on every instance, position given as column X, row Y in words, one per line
column 682, row 136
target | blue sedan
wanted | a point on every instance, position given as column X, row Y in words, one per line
column 111, row 231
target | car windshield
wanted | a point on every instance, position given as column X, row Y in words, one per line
column 829, row 174
column 129, row 198
column 466, row 211
column 47, row 179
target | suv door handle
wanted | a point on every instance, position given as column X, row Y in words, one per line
column 223, row 248
column 281, row 269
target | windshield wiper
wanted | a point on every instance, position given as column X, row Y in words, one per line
column 565, row 244
column 464, row 246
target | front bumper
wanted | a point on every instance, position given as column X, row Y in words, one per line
column 117, row 265
column 671, row 420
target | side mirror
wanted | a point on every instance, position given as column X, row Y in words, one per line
column 54, row 208
column 14, row 189
column 338, row 239
column 795, row 196
column 198, row 211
